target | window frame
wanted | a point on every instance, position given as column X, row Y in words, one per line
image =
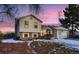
column 26, row 24
column 35, row 25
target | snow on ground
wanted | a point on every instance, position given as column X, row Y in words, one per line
column 70, row 43
column 11, row 41
column 67, row 42
column 29, row 42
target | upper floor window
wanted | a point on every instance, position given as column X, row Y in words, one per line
column 26, row 23
column 35, row 25
column 31, row 17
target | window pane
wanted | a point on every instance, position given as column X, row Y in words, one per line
column 25, row 35
column 35, row 26
column 26, row 23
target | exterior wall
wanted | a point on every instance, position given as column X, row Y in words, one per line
column 31, row 28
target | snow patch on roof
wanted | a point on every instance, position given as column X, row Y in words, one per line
column 60, row 28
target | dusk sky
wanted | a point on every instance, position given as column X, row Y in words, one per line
column 48, row 14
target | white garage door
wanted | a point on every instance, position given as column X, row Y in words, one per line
column 62, row 34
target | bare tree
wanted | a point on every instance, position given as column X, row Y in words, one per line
column 35, row 8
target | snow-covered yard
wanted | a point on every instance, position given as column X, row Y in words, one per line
column 66, row 42
column 11, row 41
column 69, row 43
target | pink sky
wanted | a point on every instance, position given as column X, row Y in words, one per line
column 49, row 15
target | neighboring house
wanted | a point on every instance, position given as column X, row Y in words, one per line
column 29, row 27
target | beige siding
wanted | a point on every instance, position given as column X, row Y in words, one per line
column 31, row 25
column 30, row 30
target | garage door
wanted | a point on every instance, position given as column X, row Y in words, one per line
column 62, row 34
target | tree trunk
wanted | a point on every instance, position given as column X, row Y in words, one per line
column 16, row 27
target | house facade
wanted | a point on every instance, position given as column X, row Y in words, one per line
column 29, row 27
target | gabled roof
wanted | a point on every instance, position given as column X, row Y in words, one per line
column 32, row 16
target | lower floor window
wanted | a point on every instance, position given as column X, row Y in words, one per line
column 25, row 35
column 32, row 35
column 35, row 35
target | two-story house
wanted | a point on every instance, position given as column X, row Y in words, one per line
column 29, row 27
